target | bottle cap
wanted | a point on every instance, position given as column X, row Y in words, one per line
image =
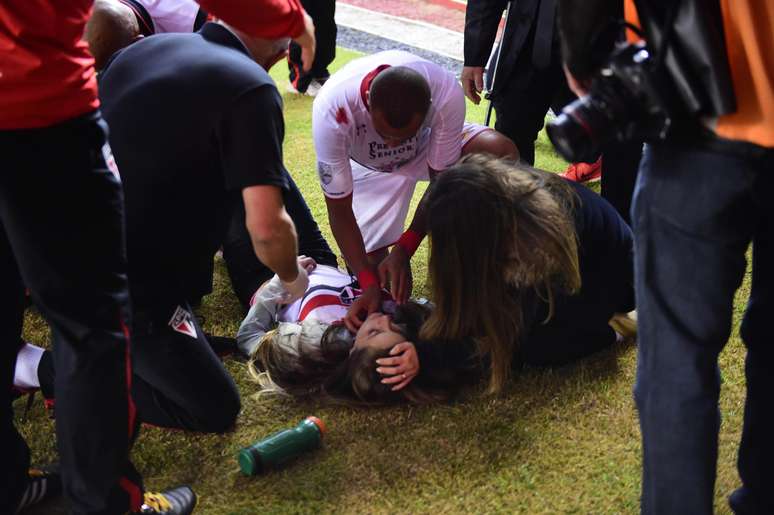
column 319, row 423
column 248, row 462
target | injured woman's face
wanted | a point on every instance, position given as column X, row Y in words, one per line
column 378, row 331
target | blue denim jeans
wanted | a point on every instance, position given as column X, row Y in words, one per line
column 694, row 215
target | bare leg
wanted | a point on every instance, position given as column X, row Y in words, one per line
column 493, row 143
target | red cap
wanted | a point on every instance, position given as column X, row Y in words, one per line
column 319, row 423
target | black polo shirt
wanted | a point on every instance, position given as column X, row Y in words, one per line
column 193, row 120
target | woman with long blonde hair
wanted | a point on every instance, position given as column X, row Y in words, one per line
column 527, row 266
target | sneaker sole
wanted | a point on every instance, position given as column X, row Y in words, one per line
column 625, row 324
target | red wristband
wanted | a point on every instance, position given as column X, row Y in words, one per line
column 367, row 278
column 410, row 241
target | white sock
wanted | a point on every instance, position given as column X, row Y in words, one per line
column 27, row 362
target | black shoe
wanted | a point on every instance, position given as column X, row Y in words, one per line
column 43, row 484
column 743, row 503
column 177, row 501
column 222, row 345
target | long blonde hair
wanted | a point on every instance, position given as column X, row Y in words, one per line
column 499, row 231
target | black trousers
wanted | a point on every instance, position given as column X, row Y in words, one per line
column 620, row 163
column 178, row 381
column 62, row 235
column 246, row 271
column 525, row 97
column 322, row 13
column 579, row 326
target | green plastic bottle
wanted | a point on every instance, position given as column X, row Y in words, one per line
column 278, row 448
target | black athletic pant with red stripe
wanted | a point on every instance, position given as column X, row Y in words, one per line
column 178, row 381
column 62, row 234
column 322, row 13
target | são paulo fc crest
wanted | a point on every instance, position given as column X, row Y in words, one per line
column 348, row 295
column 182, row 322
column 325, row 171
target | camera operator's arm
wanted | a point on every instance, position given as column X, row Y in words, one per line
column 482, row 18
column 586, row 36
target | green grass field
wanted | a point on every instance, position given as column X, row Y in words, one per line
column 556, row 441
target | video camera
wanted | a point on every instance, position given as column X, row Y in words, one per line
column 630, row 97
column 650, row 92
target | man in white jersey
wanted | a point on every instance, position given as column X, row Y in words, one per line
column 380, row 124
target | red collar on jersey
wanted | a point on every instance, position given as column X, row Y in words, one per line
column 367, row 80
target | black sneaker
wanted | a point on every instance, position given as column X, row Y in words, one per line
column 222, row 346
column 43, row 484
column 177, row 501
column 742, row 503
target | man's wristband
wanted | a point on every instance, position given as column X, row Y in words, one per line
column 409, row 241
column 367, row 278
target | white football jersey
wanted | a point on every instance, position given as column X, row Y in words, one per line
column 324, row 300
column 342, row 128
column 171, row 15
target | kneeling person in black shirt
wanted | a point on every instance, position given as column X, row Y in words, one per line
column 196, row 128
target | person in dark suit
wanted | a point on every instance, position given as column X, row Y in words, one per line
column 529, row 77
column 529, row 80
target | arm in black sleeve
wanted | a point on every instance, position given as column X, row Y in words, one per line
column 250, row 137
column 584, row 26
column 482, row 17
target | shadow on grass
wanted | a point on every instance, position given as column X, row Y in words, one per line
column 404, row 458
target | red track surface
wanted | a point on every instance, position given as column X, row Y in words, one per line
column 444, row 13
column 451, row 4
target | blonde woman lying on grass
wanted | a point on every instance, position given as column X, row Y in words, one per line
column 553, row 266
column 305, row 351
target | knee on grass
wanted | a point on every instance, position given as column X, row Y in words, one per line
column 217, row 415
column 493, row 143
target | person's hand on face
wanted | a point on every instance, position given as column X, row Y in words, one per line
column 369, row 302
column 401, row 367
column 395, row 272
column 379, row 331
